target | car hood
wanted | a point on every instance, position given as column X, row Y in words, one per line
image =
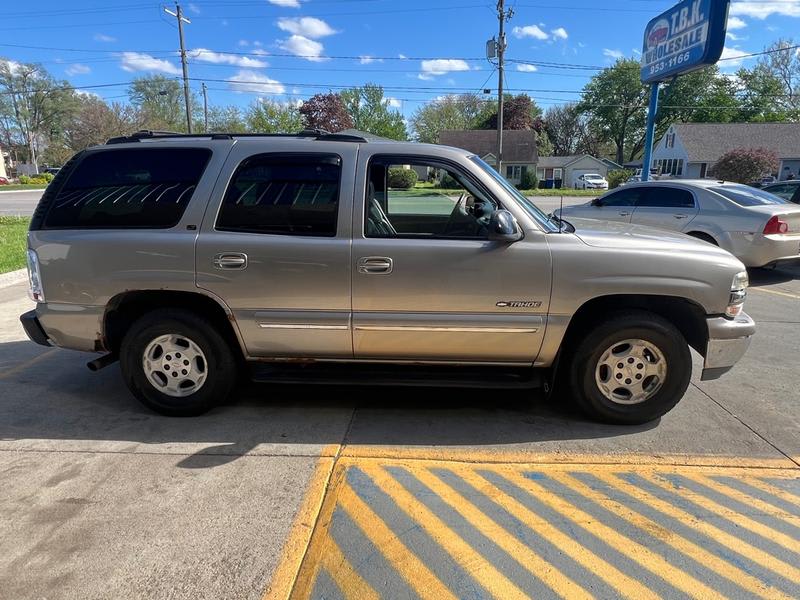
column 609, row 234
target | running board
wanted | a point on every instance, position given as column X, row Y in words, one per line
column 396, row 375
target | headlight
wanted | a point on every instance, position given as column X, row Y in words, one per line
column 36, row 292
column 738, row 294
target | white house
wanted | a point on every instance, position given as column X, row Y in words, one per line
column 567, row 169
column 688, row 150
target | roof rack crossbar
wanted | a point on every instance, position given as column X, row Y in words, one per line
column 317, row 134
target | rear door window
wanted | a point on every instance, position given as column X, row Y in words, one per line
column 624, row 197
column 283, row 194
column 665, row 197
column 129, row 188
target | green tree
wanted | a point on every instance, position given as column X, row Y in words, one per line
column 267, row 116
column 227, row 119
column 452, row 112
column 762, row 96
column 34, row 107
column 370, row 112
column 160, row 101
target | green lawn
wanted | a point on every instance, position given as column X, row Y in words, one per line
column 13, row 237
column 565, row 192
column 19, row 186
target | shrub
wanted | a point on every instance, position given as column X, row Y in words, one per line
column 527, row 181
column 745, row 164
column 402, row 178
column 24, row 179
column 48, row 177
column 447, row 182
column 617, row 177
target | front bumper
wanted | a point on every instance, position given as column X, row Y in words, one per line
column 728, row 340
column 33, row 329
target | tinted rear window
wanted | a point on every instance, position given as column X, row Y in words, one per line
column 744, row 195
column 666, row 197
column 135, row 188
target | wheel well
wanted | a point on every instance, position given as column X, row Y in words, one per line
column 688, row 317
column 124, row 309
column 703, row 236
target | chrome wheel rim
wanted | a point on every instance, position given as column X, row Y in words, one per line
column 630, row 371
column 175, row 365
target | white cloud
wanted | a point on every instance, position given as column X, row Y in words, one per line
column 762, row 10
column 367, row 59
column 734, row 37
column 393, row 102
column 194, row 8
column 286, row 3
column 137, row 61
column 441, row 66
column 308, row 27
column 402, row 56
column 101, row 37
column 257, row 43
column 221, row 58
column 736, row 23
column 260, row 52
column 252, row 81
column 732, row 57
column 13, row 66
column 77, row 69
column 87, row 94
column 559, row 33
column 526, row 68
column 244, row 43
column 531, row 31
column 609, row 53
column 303, row 47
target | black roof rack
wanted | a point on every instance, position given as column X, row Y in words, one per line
column 317, row 134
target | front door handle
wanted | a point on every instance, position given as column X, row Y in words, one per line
column 624, row 214
column 229, row 261
column 375, row 265
column 680, row 216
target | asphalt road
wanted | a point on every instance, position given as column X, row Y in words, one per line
column 24, row 202
column 101, row 498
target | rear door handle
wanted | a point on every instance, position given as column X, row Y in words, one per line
column 624, row 214
column 375, row 265
column 680, row 216
column 229, row 261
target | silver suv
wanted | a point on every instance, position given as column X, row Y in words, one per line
column 327, row 257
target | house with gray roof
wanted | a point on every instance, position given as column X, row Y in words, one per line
column 565, row 170
column 689, row 150
column 519, row 148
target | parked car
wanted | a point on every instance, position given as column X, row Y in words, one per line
column 4, row 181
column 757, row 227
column 195, row 259
column 591, row 181
column 788, row 190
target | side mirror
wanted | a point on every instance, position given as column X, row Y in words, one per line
column 503, row 227
column 596, row 202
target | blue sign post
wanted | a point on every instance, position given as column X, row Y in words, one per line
column 688, row 36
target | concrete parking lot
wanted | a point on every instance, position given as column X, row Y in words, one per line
column 101, row 498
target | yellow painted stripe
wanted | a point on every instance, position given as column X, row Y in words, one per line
column 299, row 535
column 736, row 544
column 347, row 579
column 465, row 555
column 748, row 500
column 421, row 579
column 557, row 581
column 773, row 490
column 776, row 292
column 622, row 543
column 626, row 586
column 710, row 560
column 27, row 363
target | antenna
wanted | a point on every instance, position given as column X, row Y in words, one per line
column 560, row 211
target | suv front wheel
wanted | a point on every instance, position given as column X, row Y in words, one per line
column 630, row 369
column 176, row 364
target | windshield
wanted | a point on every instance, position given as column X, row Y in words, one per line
column 592, row 177
column 744, row 195
column 529, row 207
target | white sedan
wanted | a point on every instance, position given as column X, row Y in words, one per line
column 757, row 227
column 591, row 181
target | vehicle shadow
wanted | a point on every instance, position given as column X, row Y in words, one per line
column 781, row 274
column 58, row 399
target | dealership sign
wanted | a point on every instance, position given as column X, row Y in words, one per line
column 688, row 36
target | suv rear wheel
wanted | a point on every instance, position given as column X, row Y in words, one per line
column 176, row 364
column 631, row 369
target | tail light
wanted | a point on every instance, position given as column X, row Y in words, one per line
column 775, row 225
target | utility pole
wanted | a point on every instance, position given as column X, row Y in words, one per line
column 205, row 107
column 178, row 14
column 502, row 16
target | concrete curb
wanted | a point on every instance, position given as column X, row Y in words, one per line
column 13, row 277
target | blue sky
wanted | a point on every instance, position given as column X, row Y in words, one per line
column 417, row 49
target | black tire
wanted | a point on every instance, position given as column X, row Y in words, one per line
column 623, row 326
column 220, row 363
column 704, row 236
